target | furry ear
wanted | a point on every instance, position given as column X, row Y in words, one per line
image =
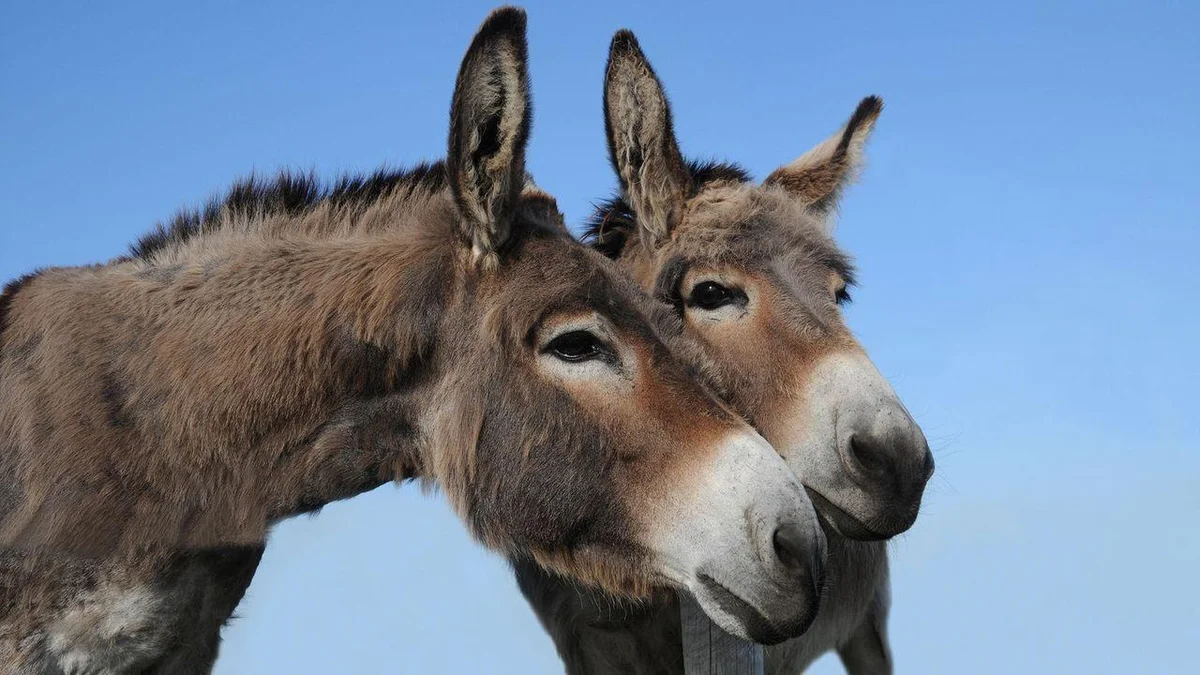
column 489, row 129
column 819, row 175
column 641, row 140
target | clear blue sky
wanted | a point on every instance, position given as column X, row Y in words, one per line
column 1028, row 231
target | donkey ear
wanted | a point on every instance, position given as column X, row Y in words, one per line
column 641, row 139
column 489, row 128
column 819, row 175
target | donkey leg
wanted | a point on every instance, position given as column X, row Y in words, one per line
column 868, row 652
column 160, row 618
column 226, row 574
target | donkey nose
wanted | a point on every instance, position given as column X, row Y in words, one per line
column 896, row 461
column 801, row 555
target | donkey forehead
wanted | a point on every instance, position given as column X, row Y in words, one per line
column 556, row 275
column 728, row 222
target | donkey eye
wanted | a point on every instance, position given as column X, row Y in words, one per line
column 709, row 295
column 576, row 345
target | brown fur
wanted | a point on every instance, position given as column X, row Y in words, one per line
column 781, row 269
column 294, row 345
column 674, row 226
column 818, row 177
column 301, row 360
column 637, row 120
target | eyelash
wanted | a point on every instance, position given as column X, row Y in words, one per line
column 842, row 297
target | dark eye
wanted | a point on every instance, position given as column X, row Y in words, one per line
column 709, row 295
column 842, row 296
column 576, row 345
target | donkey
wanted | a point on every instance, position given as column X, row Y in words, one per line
column 296, row 344
column 753, row 273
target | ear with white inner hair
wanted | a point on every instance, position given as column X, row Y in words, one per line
column 489, row 129
column 641, row 140
column 818, row 177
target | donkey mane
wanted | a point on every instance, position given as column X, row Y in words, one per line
column 288, row 194
column 254, row 199
column 608, row 228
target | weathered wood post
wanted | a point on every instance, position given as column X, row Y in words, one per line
column 708, row 650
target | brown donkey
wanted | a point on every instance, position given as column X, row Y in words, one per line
column 294, row 344
column 754, row 275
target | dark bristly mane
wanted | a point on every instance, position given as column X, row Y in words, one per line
column 290, row 194
column 609, row 226
column 709, row 171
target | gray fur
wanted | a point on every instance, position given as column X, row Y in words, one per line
column 718, row 218
column 157, row 616
column 346, row 391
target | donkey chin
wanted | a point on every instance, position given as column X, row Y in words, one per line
column 863, row 459
column 753, row 555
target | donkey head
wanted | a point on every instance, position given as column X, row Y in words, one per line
column 755, row 276
column 566, row 428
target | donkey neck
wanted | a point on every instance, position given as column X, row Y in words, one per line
column 331, row 342
column 197, row 402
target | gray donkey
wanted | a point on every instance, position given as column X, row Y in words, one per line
column 753, row 273
column 296, row 344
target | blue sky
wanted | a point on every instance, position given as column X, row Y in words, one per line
column 1028, row 233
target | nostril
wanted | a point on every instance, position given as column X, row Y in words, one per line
column 794, row 549
column 868, row 455
column 929, row 464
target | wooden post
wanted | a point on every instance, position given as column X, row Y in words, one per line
column 708, row 650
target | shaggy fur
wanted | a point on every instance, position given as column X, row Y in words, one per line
column 295, row 344
column 674, row 224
